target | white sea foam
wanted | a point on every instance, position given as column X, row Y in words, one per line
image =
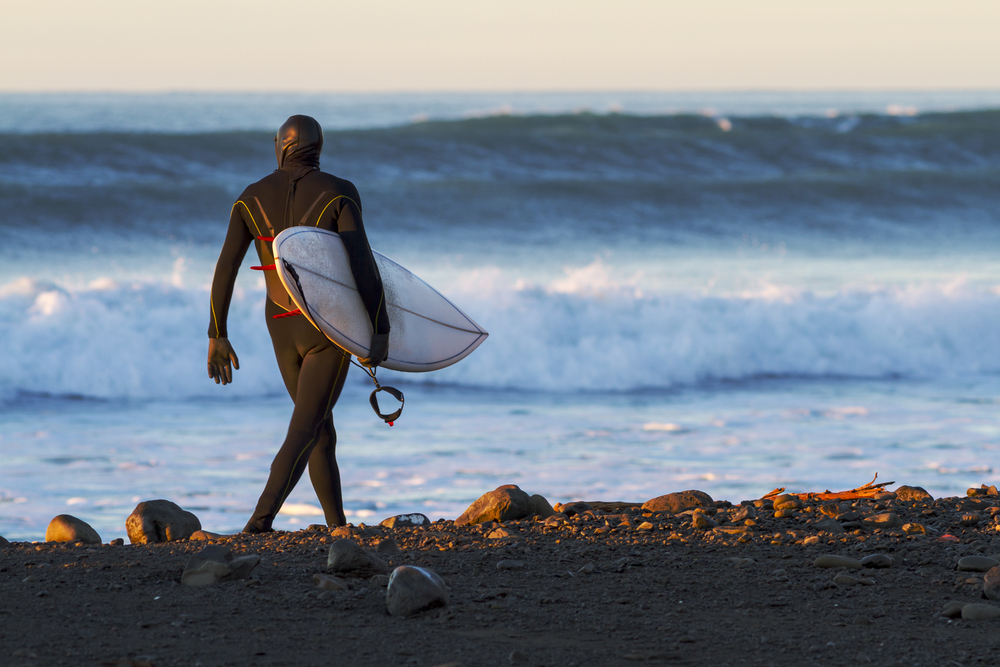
column 589, row 330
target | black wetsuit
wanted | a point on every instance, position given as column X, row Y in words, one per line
column 313, row 368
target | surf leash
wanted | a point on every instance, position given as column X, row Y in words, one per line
column 390, row 418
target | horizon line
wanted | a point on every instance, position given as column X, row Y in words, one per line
column 505, row 91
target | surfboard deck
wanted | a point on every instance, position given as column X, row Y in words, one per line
column 427, row 331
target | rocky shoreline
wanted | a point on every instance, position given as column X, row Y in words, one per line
column 893, row 579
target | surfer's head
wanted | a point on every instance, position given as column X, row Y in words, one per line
column 299, row 140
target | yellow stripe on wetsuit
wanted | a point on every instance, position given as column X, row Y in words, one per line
column 320, row 216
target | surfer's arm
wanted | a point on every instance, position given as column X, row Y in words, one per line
column 238, row 240
column 363, row 267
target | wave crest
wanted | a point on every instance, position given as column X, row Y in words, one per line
column 589, row 331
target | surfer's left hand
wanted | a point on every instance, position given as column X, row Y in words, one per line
column 378, row 351
column 220, row 354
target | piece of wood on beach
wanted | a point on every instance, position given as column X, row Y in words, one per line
column 869, row 490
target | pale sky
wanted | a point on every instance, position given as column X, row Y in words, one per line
column 513, row 45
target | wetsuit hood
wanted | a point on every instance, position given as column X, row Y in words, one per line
column 298, row 144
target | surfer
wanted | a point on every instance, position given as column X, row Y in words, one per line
column 312, row 367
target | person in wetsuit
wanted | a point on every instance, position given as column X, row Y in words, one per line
column 313, row 368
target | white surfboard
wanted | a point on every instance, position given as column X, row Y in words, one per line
column 428, row 331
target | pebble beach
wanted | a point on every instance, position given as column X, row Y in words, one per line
column 883, row 580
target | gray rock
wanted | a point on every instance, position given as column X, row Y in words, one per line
column 837, row 561
column 406, row 521
column 204, row 535
column 829, row 526
column 980, row 612
column 702, row 522
column 517, row 657
column 953, row 609
column 844, row 579
column 969, row 519
column 786, row 502
column 912, row 494
column 66, row 528
column 3, row 541
column 542, row 506
column 215, row 564
column 379, row 580
column 387, row 546
column 413, row 589
column 499, row 534
column 348, row 557
column 350, row 530
column 884, row 520
column 991, row 584
column 505, row 503
column 742, row 513
column 877, row 560
column 241, row 567
column 510, row 565
column 329, row 582
column 679, row 501
column 976, row 564
column 572, row 509
column 160, row 521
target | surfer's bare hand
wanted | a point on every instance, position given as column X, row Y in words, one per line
column 220, row 354
column 378, row 351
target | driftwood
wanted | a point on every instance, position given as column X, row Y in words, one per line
column 869, row 490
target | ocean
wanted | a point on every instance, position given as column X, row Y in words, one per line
column 732, row 292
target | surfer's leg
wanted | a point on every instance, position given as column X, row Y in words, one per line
column 323, row 470
column 313, row 371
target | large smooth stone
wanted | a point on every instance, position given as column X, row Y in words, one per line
column 505, row 503
column 160, row 521
column 542, row 506
column 348, row 557
column 991, row 584
column 406, row 521
column 877, row 561
column 742, row 513
column 980, row 612
column 67, row 528
column 977, row 564
column 679, row 501
column 216, row 563
column 830, row 560
column 829, row 526
column 413, row 589
column 3, row 541
column 912, row 494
